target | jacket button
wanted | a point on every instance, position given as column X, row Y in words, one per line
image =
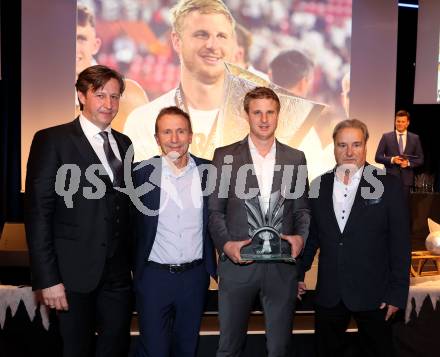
column 103, row 244
column 340, row 243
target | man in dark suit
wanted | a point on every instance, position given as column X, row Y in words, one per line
column 359, row 223
column 174, row 253
column 400, row 151
column 240, row 282
column 77, row 224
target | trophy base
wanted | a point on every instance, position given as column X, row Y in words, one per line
column 268, row 258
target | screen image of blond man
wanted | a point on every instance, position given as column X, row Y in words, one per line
column 203, row 37
column 211, row 90
column 88, row 45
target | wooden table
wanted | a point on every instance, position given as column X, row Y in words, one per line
column 419, row 258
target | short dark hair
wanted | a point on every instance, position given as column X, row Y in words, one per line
column 403, row 113
column 351, row 123
column 84, row 16
column 290, row 67
column 95, row 77
column 260, row 93
column 173, row 110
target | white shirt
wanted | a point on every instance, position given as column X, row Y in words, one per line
column 91, row 131
column 404, row 135
column 343, row 197
column 202, row 120
column 264, row 169
column 179, row 236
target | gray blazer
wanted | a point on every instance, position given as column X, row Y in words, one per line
column 227, row 211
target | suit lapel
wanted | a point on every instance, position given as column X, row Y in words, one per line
column 356, row 209
column 409, row 144
column 85, row 150
column 358, row 204
column 122, row 146
column 326, row 198
column 208, row 250
column 203, row 174
column 152, row 198
column 395, row 142
column 246, row 159
column 152, row 201
column 84, row 147
column 278, row 174
column 280, row 159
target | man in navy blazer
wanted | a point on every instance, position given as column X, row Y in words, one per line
column 400, row 151
column 360, row 225
column 174, row 254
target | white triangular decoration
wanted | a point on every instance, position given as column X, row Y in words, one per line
column 10, row 296
column 433, row 226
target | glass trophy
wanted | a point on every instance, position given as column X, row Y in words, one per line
column 265, row 231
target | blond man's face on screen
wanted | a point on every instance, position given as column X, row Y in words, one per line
column 204, row 44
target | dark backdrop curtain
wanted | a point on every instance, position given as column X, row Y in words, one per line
column 425, row 118
column 10, row 197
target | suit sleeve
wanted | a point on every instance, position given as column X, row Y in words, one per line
column 40, row 200
column 381, row 156
column 399, row 246
column 217, row 206
column 418, row 152
column 309, row 252
column 301, row 207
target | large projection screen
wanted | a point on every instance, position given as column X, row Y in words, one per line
column 334, row 35
column 427, row 81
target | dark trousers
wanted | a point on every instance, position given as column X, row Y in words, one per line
column 407, row 193
column 277, row 295
column 106, row 310
column 331, row 324
column 170, row 307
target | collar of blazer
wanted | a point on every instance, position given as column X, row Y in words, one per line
column 409, row 141
column 244, row 157
column 326, row 195
column 85, row 149
column 86, row 154
column 152, row 172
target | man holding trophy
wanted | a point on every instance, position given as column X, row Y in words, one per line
column 259, row 220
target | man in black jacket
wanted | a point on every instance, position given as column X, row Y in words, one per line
column 77, row 223
column 359, row 223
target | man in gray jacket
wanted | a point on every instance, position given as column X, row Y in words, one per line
column 241, row 282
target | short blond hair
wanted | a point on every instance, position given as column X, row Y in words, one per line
column 184, row 7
